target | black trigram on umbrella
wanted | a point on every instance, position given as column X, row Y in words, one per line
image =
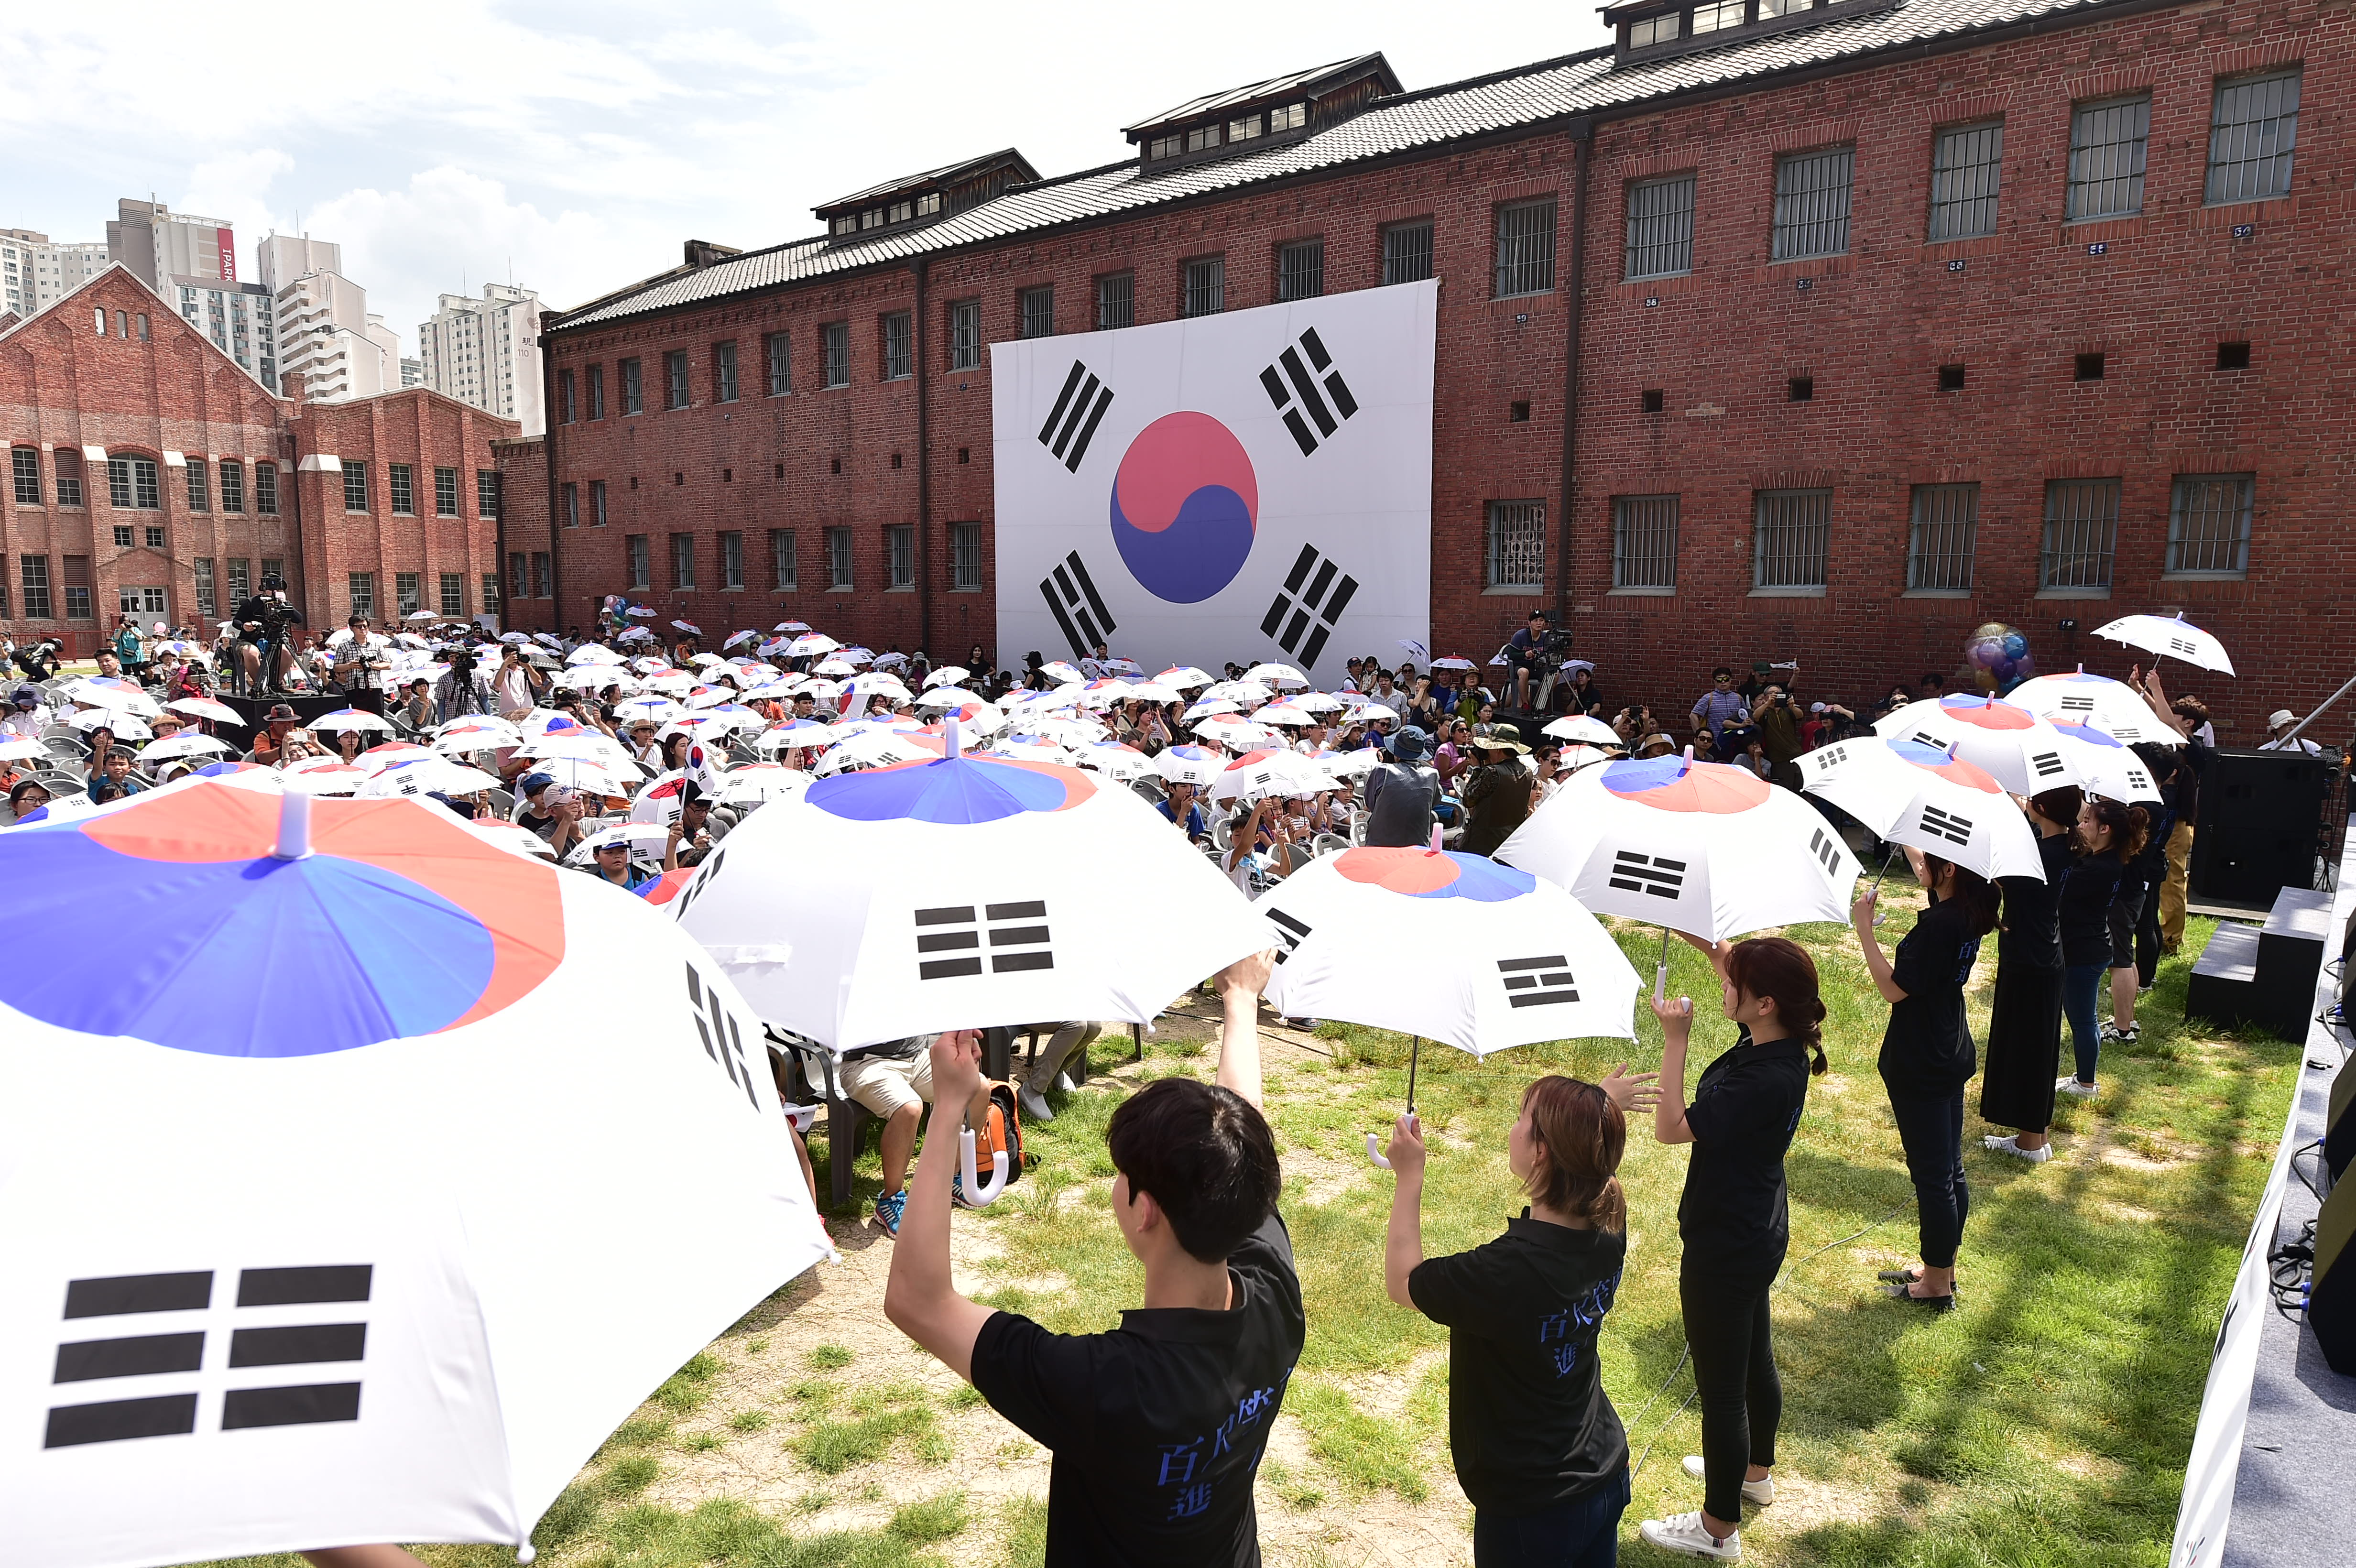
column 694, row 890
column 722, row 1040
column 2182, row 649
column 1289, row 933
column 2047, row 765
column 1830, row 758
column 1309, row 606
column 950, row 941
column 1535, row 982
column 1827, row 849
column 1288, row 378
column 1071, row 594
column 2077, row 704
column 1655, row 874
column 174, row 1414
column 1079, row 409
column 1945, row 825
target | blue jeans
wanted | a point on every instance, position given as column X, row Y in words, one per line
column 1582, row 1533
column 2080, row 984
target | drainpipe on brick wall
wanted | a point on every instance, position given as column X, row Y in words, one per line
column 555, row 552
column 924, row 468
column 1582, row 143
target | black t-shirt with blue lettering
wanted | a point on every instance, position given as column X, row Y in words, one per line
column 1528, row 1423
column 1735, row 1216
column 1158, row 1427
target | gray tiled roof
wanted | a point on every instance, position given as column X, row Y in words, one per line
column 1574, row 84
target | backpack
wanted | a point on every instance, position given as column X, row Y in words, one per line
column 1002, row 1129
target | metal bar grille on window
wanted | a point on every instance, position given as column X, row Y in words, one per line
column 2209, row 523
column 1526, row 249
column 1644, row 541
column 2252, row 134
column 898, row 361
column 1812, row 192
column 835, row 348
column 2106, row 154
column 1116, row 302
column 965, row 336
column 1406, row 254
column 1207, row 287
column 1946, row 531
column 965, row 551
column 1301, row 272
column 1038, row 312
column 1789, row 539
column 2081, row 531
column 1516, row 544
column 1966, row 163
column 1660, row 227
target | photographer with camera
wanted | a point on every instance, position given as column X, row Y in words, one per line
column 1778, row 722
column 359, row 668
column 1532, row 655
column 264, row 623
column 464, row 688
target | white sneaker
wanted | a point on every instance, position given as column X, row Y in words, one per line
column 1758, row 1494
column 1064, row 1083
column 1034, row 1107
column 1684, row 1533
column 2072, row 1086
column 2011, row 1146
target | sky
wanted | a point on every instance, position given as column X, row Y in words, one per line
column 570, row 147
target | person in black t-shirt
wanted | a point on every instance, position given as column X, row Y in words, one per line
column 1735, row 1220
column 1539, row 1449
column 2108, row 835
column 1927, row 1057
column 1158, row 1425
column 2024, row 1042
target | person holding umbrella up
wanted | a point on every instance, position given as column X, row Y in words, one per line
column 1927, row 1057
column 1537, row 1446
column 1735, row 1221
column 2024, row 1044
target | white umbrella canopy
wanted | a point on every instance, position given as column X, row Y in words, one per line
column 426, row 775
column 175, row 746
column 812, row 643
column 542, row 1165
column 1921, row 795
column 1183, row 677
column 2170, row 637
column 1259, row 776
column 960, row 892
column 1065, row 673
column 206, row 707
column 1586, row 728
column 1240, row 734
column 871, row 749
column 948, row 675
column 1699, row 848
column 1117, row 762
column 2097, row 699
column 112, row 692
column 351, row 719
column 476, row 732
column 123, row 723
column 1277, row 675
column 1189, row 765
column 2105, row 765
column 2003, row 738
column 755, row 783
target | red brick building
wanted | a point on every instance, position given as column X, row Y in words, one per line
column 1773, row 331
column 149, row 475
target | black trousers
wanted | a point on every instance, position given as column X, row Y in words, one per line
column 1734, row 1371
column 371, row 701
column 1932, row 1134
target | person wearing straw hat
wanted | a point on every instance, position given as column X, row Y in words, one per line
column 2279, row 725
column 1498, row 793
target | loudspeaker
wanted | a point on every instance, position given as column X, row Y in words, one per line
column 2339, row 1125
column 2259, row 815
column 2331, row 1299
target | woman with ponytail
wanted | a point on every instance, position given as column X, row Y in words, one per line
column 2108, row 835
column 1927, row 1057
column 1539, row 1449
column 1735, row 1221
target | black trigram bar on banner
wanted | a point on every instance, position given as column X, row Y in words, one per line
column 1290, row 931
column 1535, row 982
column 1079, row 610
column 1309, row 606
column 1079, row 409
column 1288, row 378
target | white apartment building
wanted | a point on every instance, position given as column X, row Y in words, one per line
column 412, row 372
column 241, row 318
column 36, row 272
column 158, row 244
column 487, row 352
column 325, row 329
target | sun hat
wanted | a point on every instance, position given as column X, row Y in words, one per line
column 1410, row 745
column 1499, row 738
column 2279, row 717
column 27, row 697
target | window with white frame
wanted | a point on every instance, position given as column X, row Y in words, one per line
column 132, row 485
column 208, row 589
column 407, row 596
column 356, row 494
column 402, row 489
column 201, row 496
column 360, row 588
column 454, row 595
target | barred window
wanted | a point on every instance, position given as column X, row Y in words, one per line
column 682, row 560
column 1038, row 312
column 2106, row 155
column 899, row 360
column 1660, row 227
column 1406, row 254
column 2208, row 523
column 675, row 378
column 965, row 557
column 1790, row 530
column 596, row 503
column 200, row 491
column 489, row 493
column 131, row 485
column 543, row 575
column 731, row 559
column 454, row 595
column 403, row 489
column 1206, row 286
column 965, row 336
column 1300, row 270
column 641, row 562
column 564, row 396
column 1945, row 536
column 362, row 586
column 445, row 492
column 1644, row 541
column 596, row 378
column 1812, row 194
column 785, row 567
column 1966, row 167
column 780, row 350
column 355, row 486
column 1517, row 544
column 34, row 570
column 2082, row 532
column 405, row 593
column 2252, row 132
column 1525, row 248
column 1116, row 302
column 208, row 599
column 724, row 372
column 900, row 553
column 490, row 591
column 634, row 389
column 266, row 490
column 26, row 463
column 241, row 579
column 837, row 558
column 569, row 503
column 834, row 353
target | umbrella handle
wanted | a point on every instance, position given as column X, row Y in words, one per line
column 978, row 1196
column 1373, row 1152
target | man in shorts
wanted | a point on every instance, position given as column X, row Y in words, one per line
column 894, row 1082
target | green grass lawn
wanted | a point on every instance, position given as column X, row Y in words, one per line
column 2046, row 1423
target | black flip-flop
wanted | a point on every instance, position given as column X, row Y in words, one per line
column 1927, row 1303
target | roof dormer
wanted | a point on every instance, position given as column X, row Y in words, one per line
column 922, row 199
column 1658, row 29
column 1264, row 114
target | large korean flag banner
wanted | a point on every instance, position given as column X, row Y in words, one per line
column 1251, row 485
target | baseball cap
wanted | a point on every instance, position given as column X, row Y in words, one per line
column 532, row 783
column 1816, row 708
column 1760, row 667
column 2279, row 717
